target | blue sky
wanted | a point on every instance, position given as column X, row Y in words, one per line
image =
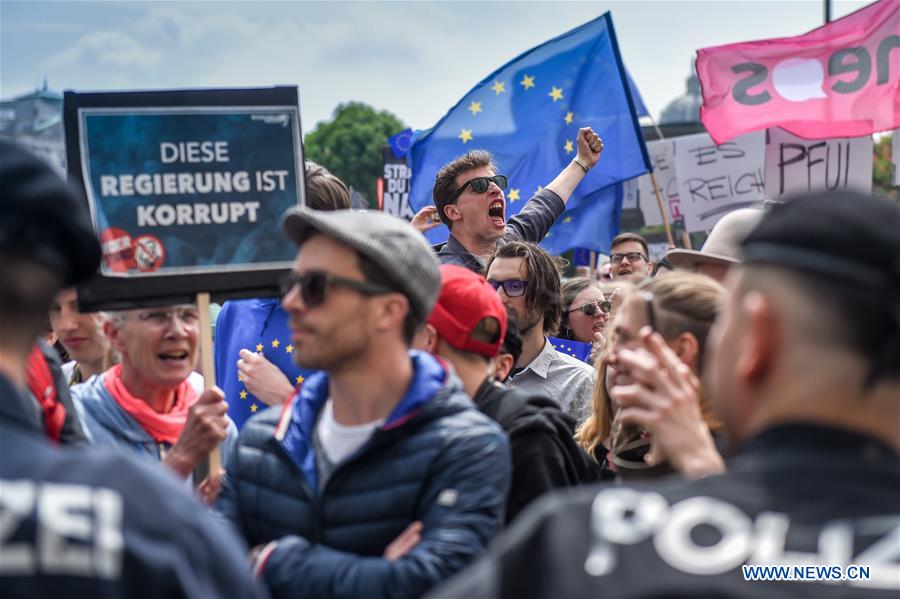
column 416, row 59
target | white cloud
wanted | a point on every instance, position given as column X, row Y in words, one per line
column 106, row 50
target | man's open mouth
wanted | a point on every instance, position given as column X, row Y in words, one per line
column 173, row 355
column 495, row 212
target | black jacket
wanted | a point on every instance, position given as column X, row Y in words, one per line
column 797, row 495
column 78, row 522
column 545, row 455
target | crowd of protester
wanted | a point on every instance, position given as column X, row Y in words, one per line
column 426, row 436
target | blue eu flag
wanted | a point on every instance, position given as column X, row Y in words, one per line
column 527, row 114
column 577, row 349
column 259, row 325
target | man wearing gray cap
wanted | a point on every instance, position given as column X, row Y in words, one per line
column 380, row 478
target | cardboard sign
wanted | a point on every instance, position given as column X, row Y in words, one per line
column 795, row 165
column 715, row 179
column 641, row 191
column 186, row 190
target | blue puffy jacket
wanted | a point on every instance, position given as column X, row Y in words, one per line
column 436, row 459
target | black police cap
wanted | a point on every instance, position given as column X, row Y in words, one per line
column 843, row 236
column 42, row 219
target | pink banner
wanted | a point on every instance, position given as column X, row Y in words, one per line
column 840, row 80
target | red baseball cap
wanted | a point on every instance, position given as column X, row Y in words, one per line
column 465, row 300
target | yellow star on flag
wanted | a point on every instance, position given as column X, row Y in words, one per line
column 539, row 189
column 556, row 93
column 527, row 81
column 289, row 349
column 299, row 379
column 569, row 117
column 259, row 347
column 243, row 395
column 567, row 219
column 498, row 87
column 253, row 408
column 474, row 107
column 513, row 194
column 569, row 146
column 276, row 343
column 465, row 135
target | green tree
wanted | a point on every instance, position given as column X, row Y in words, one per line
column 350, row 145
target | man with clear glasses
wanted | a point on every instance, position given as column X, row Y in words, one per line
column 469, row 198
column 527, row 280
column 629, row 258
column 146, row 404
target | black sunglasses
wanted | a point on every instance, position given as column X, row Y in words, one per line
column 590, row 309
column 312, row 286
column 512, row 287
column 481, row 184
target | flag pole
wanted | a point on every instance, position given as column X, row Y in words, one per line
column 662, row 212
column 659, row 204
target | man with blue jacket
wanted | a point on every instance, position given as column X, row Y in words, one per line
column 380, row 478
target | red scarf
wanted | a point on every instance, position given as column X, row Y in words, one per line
column 41, row 383
column 162, row 427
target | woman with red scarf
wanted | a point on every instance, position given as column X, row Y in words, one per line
column 145, row 404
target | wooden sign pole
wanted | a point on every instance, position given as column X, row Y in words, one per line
column 208, row 370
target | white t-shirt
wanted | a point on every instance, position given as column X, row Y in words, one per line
column 339, row 441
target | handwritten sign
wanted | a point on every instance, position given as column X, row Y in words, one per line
column 795, row 165
column 641, row 191
column 715, row 179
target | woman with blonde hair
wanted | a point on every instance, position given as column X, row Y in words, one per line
column 681, row 307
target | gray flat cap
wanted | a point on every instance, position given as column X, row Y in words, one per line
column 390, row 242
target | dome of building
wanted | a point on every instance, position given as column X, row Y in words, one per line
column 686, row 107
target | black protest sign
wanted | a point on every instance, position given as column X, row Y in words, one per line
column 186, row 190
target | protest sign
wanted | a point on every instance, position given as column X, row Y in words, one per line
column 795, row 165
column 186, row 190
column 641, row 188
column 715, row 179
column 394, row 186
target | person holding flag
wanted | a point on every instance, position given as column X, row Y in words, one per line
column 469, row 198
column 540, row 118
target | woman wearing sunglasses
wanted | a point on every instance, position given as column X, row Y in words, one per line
column 587, row 313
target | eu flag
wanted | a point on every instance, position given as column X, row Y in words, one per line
column 577, row 349
column 527, row 114
column 259, row 325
